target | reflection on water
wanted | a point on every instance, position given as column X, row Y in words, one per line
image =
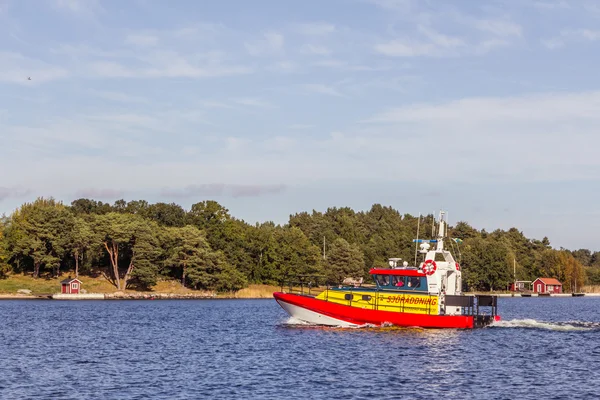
column 251, row 349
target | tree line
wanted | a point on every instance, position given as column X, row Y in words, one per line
column 134, row 244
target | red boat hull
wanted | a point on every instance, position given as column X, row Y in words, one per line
column 314, row 310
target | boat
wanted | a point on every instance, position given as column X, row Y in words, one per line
column 427, row 296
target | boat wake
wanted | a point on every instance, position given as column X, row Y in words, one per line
column 291, row 321
column 568, row 326
column 296, row 323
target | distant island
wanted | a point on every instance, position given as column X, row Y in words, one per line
column 140, row 246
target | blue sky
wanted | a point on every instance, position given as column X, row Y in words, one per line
column 487, row 109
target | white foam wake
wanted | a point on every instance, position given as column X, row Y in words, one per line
column 294, row 321
column 552, row 326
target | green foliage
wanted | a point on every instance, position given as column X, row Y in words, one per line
column 166, row 214
column 344, row 260
column 486, row 265
column 4, row 267
column 592, row 275
column 80, row 239
column 290, row 254
column 207, row 213
column 131, row 243
column 136, row 243
column 214, row 273
column 201, row 267
column 40, row 231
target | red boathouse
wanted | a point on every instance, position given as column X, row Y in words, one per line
column 70, row 286
column 547, row 285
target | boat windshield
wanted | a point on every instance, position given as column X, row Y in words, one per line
column 401, row 282
column 382, row 280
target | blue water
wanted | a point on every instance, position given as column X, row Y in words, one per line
column 249, row 349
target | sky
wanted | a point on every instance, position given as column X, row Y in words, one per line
column 489, row 110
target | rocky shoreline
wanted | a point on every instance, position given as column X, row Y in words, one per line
column 158, row 296
column 123, row 296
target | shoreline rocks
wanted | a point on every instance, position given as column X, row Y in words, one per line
column 158, row 296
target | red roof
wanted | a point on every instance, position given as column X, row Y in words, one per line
column 401, row 272
column 550, row 281
column 69, row 280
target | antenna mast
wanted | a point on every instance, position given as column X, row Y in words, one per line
column 417, row 241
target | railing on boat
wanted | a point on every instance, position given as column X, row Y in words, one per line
column 483, row 308
column 306, row 285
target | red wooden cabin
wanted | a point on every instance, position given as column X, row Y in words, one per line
column 547, row 285
column 70, row 286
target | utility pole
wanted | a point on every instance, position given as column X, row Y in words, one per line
column 324, row 256
column 514, row 274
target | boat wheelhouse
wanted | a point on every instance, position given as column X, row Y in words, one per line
column 429, row 295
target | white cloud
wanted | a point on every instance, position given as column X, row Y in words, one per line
column 79, row 7
column 271, row 42
column 315, row 28
column 346, row 66
column 589, row 34
column 142, row 40
column 111, row 69
column 551, row 4
column 440, row 40
column 72, row 5
column 126, row 120
column 222, row 189
column 499, row 27
column 486, row 46
column 178, row 67
column 484, row 139
column 569, row 35
column 315, row 49
column 280, row 144
column 435, row 45
column 406, row 48
column 401, row 5
column 284, row 67
column 321, row 89
column 16, row 68
column 16, row 192
column 546, row 108
column 95, row 193
column 214, row 104
column 119, row 97
column 554, row 43
column 253, row 102
column 301, row 126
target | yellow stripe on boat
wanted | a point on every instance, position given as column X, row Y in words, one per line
column 383, row 301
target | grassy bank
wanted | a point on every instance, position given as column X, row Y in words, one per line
column 11, row 284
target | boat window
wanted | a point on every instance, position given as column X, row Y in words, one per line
column 414, row 282
column 382, row 280
column 398, row 281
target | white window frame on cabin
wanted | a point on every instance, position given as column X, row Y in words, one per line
column 74, row 285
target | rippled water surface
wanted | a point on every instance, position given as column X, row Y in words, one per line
column 238, row 349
